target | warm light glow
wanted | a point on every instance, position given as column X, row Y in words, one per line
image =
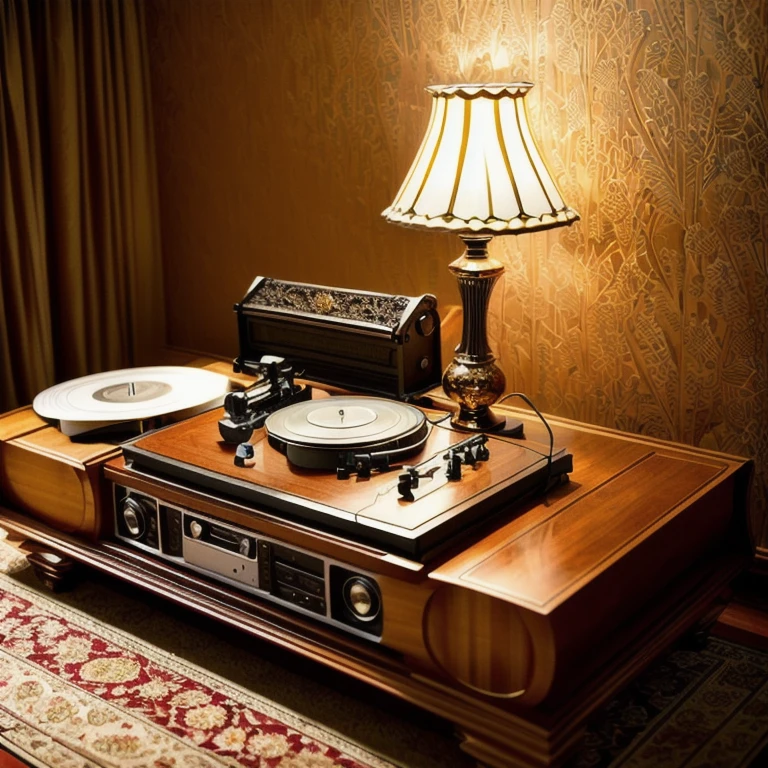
column 478, row 168
column 478, row 173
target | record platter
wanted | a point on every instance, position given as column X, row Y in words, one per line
column 315, row 434
column 381, row 472
column 129, row 396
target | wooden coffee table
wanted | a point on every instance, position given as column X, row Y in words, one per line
column 517, row 633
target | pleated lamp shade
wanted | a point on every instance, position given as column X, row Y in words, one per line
column 478, row 169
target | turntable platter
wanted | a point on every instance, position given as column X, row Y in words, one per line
column 313, row 434
column 130, row 394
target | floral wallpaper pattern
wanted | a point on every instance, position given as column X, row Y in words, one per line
column 285, row 128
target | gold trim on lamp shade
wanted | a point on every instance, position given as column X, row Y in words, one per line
column 478, row 173
column 478, row 169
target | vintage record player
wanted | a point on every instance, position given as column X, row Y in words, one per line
column 381, row 472
column 374, row 469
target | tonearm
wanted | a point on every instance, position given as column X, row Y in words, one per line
column 246, row 410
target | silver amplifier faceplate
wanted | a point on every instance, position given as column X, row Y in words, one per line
column 325, row 589
column 198, row 554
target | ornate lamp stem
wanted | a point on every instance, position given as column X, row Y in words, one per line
column 473, row 379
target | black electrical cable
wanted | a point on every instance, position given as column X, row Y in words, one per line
column 545, row 423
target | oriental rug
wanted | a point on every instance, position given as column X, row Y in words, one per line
column 697, row 707
column 76, row 694
column 79, row 691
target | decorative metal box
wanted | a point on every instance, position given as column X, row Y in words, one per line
column 374, row 343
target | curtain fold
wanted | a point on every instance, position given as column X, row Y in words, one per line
column 80, row 238
column 26, row 351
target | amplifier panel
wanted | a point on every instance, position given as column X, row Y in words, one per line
column 331, row 591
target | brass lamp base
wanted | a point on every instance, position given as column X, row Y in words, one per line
column 475, row 387
column 473, row 379
column 465, row 384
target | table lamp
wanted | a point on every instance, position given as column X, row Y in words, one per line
column 478, row 173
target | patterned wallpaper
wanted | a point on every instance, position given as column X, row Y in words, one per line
column 285, row 127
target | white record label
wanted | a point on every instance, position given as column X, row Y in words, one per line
column 334, row 417
column 129, row 394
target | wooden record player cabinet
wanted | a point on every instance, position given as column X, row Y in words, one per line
column 525, row 627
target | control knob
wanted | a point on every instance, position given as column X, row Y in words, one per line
column 134, row 517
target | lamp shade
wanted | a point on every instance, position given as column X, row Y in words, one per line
column 478, row 169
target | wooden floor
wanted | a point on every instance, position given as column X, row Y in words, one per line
column 745, row 618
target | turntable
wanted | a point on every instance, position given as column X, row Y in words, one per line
column 381, row 472
column 128, row 398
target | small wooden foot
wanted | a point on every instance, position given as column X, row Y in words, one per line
column 56, row 571
column 522, row 747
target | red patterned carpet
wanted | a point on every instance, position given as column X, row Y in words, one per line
column 71, row 690
column 77, row 689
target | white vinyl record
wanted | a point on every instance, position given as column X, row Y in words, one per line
column 130, row 394
column 344, row 421
column 313, row 433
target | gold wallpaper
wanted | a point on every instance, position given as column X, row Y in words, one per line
column 285, row 127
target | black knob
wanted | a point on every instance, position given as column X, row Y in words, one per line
column 405, row 486
column 236, row 405
column 363, row 465
column 134, row 517
column 453, row 466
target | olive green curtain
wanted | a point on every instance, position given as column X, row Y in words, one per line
column 80, row 266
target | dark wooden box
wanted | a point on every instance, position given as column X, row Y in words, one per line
column 372, row 343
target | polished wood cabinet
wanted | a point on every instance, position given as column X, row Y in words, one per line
column 521, row 628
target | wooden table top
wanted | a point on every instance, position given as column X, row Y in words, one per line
column 626, row 492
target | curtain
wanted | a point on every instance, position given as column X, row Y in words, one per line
column 80, row 266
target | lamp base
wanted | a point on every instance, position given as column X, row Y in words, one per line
column 472, row 379
column 486, row 420
column 481, row 420
column 476, row 387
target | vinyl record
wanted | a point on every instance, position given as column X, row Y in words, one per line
column 130, row 394
column 312, row 434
